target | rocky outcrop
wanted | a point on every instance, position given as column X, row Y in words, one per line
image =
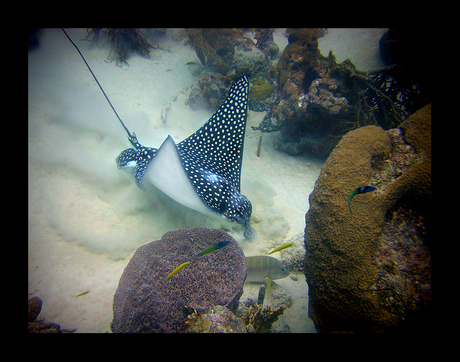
column 145, row 302
column 370, row 271
column 319, row 100
column 34, row 308
column 227, row 55
column 36, row 326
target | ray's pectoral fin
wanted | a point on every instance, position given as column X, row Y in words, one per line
column 212, row 158
column 139, row 172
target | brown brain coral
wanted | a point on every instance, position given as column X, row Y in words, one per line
column 144, row 302
column 371, row 270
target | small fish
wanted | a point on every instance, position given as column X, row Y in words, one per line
column 285, row 246
column 259, row 267
column 192, row 63
column 218, row 245
column 81, row 294
column 359, row 190
column 177, row 270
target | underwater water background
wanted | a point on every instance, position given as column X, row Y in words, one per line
column 86, row 217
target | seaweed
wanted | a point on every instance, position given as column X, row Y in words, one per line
column 123, row 43
column 92, row 35
column 259, row 319
column 385, row 97
column 204, row 51
column 215, row 47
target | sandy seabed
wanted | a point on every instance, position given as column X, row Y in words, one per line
column 86, row 217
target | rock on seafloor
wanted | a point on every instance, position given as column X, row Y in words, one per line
column 370, row 270
column 35, row 326
column 34, row 308
column 145, row 302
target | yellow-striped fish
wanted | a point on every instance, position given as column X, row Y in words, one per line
column 177, row 270
column 285, row 246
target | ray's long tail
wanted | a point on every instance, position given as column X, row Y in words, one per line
column 100, row 87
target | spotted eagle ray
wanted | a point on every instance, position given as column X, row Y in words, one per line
column 203, row 171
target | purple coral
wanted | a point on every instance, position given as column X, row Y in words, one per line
column 144, row 302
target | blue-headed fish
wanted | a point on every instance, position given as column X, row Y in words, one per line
column 359, row 190
column 216, row 246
